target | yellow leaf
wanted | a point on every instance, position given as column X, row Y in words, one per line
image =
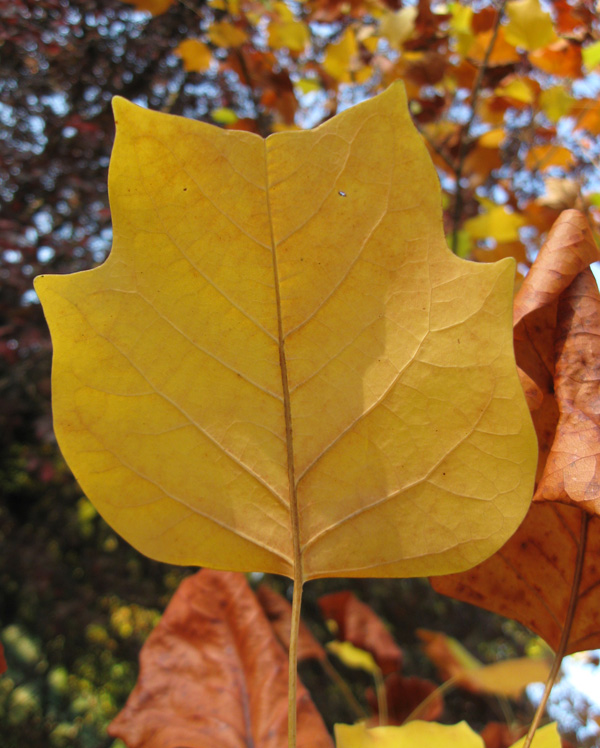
column 506, row 678
column 339, row 56
column 156, row 7
column 307, row 85
column 492, row 138
column 224, row 116
column 363, row 74
column 529, row 27
column 281, row 366
column 497, row 223
column 399, row 26
column 196, row 56
column 411, row 735
column 286, row 32
column 556, row 103
column 517, row 89
column 226, row 35
column 545, row 737
column 510, row 677
column 460, row 27
column 591, row 55
column 353, row 657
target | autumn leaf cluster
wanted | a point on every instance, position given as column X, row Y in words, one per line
column 496, row 90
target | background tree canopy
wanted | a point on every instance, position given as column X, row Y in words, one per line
column 505, row 96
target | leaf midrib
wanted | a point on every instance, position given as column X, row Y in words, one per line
column 287, row 409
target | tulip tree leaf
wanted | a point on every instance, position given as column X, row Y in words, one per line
column 281, row 366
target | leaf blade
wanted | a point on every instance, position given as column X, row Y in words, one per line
column 248, row 368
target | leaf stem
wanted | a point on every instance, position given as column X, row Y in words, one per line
column 345, row 690
column 382, row 705
column 420, row 708
column 293, row 661
column 566, row 632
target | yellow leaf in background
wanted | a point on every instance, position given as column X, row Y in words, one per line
column 280, row 366
column 591, row 55
column 292, row 35
column 556, row 102
column 545, row 737
column 460, row 27
column 497, row 223
column 529, row 27
column 363, row 74
column 339, row 56
column 226, row 35
column 224, row 116
column 196, row 56
column 307, row 85
column 399, row 26
column 370, row 43
column 506, row 678
column 509, row 678
column 414, row 734
column 542, row 157
column 156, row 7
column 493, row 138
column 353, row 657
column 517, row 89
column 287, row 32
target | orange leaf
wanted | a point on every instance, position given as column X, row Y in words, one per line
column 196, row 56
column 587, row 115
column 562, row 58
column 156, row 7
column 499, row 735
column 529, row 579
column 542, row 157
column 556, row 332
column 279, row 613
column 514, row 249
column 359, row 625
column 572, row 471
column 569, row 249
column 450, row 657
column 502, row 53
column 213, row 675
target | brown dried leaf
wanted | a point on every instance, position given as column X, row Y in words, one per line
column 572, row 470
column 213, row 675
column 568, row 250
column 499, row 735
column 279, row 613
column 529, row 579
column 404, row 695
column 358, row 624
column 557, row 334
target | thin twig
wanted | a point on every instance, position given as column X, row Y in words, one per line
column 344, row 688
column 466, row 129
column 566, row 632
column 446, row 158
column 261, row 121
